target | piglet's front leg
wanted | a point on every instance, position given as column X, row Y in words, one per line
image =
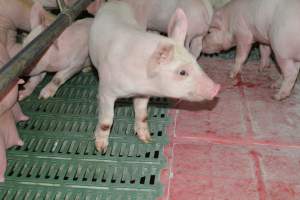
column 242, row 53
column 141, row 120
column 106, row 115
column 265, row 59
column 58, row 80
column 30, row 86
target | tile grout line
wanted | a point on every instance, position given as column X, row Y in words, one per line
column 168, row 151
column 261, row 188
column 228, row 141
column 246, row 112
column 171, row 161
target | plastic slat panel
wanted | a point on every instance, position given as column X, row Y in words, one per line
column 59, row 161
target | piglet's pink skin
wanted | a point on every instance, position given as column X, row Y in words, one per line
column 141, row 64
column 156, row 14
column 8, row 137
column 273, row 23
column 66, row 56
column 14, row 14
column 10, row 113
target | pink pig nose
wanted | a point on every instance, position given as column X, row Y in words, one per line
column 215, row 91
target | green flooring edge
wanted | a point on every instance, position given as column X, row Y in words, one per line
column 59, row 160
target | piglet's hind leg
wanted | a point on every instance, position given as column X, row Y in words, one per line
column 290, row 71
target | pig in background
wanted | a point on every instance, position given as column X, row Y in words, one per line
column 10, row 113
column 154, row 66
column 14, row 14
column 272, row 23
column 66, row 56
column 156, row 14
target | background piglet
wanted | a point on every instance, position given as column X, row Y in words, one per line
column 156, row 14
column 273, row 23
column 66, row 56
column 10, row 113
column 14, row 14
column 154, row 66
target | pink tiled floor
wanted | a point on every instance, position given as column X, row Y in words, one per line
column 243, row 146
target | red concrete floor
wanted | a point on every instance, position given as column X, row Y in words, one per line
column 243, row 146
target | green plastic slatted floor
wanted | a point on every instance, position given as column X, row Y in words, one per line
column 59, row 160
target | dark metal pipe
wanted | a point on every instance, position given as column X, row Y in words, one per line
column 29, row 55
column 61, row 5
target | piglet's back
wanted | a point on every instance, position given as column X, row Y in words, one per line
column 114, row 24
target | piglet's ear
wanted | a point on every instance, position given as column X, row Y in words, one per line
column 38, row 15
column 177, row 28
column 94, row 6
column 162, row 55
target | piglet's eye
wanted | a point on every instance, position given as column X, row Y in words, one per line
column 183, row 73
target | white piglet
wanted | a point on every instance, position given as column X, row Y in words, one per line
column 134, row 63
column 272, row 23
column 66, row 56
column 156, row 14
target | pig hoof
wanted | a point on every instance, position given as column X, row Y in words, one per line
column 20, row 143
column 146, row 139
column 45, row 94
column 279, row 96
column 275, row 85
column 101, row 144
column 233, row 74
column 86, row 69
column 144, row 136
column 2, row 179
column 142, row 131
column 22, row 118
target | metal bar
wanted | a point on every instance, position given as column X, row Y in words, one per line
column 61, row 5
column 29, row 55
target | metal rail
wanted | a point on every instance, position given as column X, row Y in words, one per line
column 29, row 55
